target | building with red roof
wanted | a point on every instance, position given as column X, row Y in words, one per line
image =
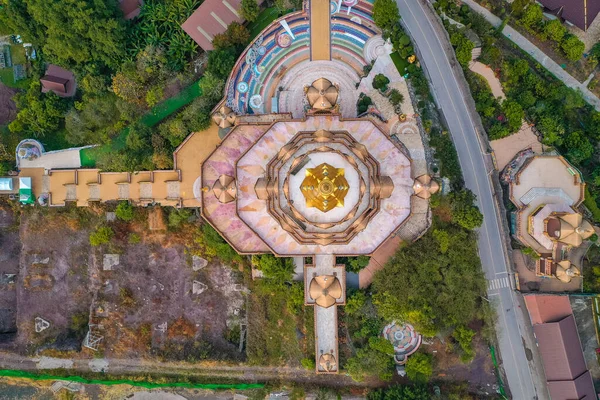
column 210, row 19
column 59, row 81
column 555, row 330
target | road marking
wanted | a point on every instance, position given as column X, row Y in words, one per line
column 498, row 283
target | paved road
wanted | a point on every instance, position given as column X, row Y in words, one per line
column 541, row 57
column 513, row 328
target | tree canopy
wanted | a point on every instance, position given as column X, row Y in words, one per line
column 434, row 283
column 385, row 14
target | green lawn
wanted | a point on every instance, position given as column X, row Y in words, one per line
column 399, row 62
column 157, row 114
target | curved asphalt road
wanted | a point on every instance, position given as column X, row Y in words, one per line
column 513, row 327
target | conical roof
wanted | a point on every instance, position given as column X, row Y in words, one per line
column 565, row 271
column 224, row 117
column 574, row 229
column 224, row 189
column 322, row 94
column 325, row 290
column 328, row 362
column 424, row 186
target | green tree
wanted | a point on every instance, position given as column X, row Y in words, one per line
column 420, row 269
column 39, row 113
column 75, row 32
column 221, row 62
column 464, row 212
column 579, row 147
column 385, row 14
column 370, row 361
column 573, row 47
column 400, row 392
column 518, row 6
column 464, row 47
column 419, row 367
column 125, row 211
column 532, row 16
column 555, row 30
column 249, row 10
column 236, row 35
column 98, row 117
column 514, row 114
column 101, row 236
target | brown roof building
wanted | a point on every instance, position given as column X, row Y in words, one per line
column 130, row 8
column 59, row 81
column 580, row 13
column 210, row 19
column 554, row 326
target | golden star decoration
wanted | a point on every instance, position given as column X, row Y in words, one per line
column 324, row 187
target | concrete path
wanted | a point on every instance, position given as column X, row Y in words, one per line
column 490, row 77
column 537, row 54
column 520, row 358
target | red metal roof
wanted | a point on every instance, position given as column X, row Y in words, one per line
column 560, row 349
column 547, row 308
column 59, row 81
column 210, row 19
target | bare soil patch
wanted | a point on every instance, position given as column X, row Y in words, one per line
column 8, row 108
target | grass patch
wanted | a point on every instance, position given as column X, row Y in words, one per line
column 17, row 54
column 267, row 16
column 400, row 63
column 272, row 336
column 7, row 78
column 157, row 114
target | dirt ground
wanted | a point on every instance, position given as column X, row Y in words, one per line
column 142, row 306
column 153, row 285
column 8, row 109
column 9, row 267
column 53, row 284
column 479, row 372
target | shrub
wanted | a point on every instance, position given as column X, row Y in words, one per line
column 124, row 211
column 101, row 236
column 380, row 82
column 464, row 337
column 573, row 47
column 396, row 97
column 178, row 216
column 363, row 104
column 134, row 238
column 309, row 363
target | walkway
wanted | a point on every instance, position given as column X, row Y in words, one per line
column 320, row 30
column 490, row 77
column 537, row 54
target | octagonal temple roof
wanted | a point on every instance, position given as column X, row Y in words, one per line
column 286, row 204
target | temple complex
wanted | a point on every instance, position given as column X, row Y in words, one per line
column 288, row 167
column 547, row 192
